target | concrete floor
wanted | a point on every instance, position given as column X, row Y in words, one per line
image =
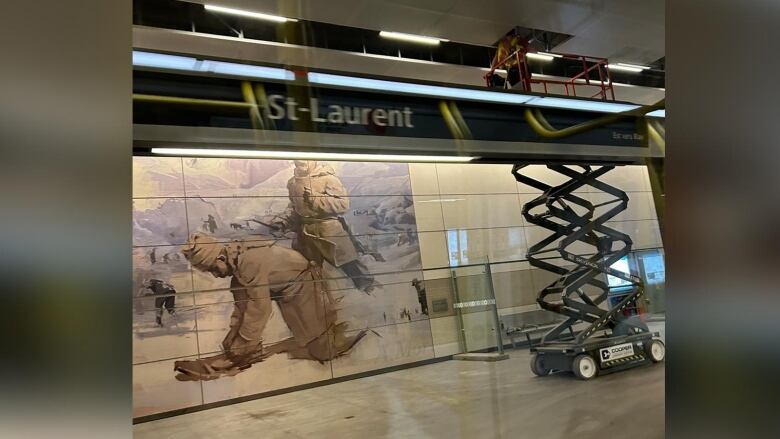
column 453, row 399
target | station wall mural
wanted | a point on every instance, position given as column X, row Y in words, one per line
column 255, row 275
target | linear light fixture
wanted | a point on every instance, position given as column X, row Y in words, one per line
column 293, row 155
column 582, row 105
column 190, row 64
column 635, row 66
column 554, row 55
column 657, row 113
column 443, row 200
column 624, row 68
column 413, row 38
column 416, row 89
column 250, row 14
column 495, row 71
column 539, row 56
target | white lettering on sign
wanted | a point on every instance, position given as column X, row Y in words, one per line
column 280, row 107
column 616, row 352
column 631, row 136
column 474, row 303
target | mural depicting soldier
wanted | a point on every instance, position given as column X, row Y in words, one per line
column 261, row 272
column 421, row 296
column 318, row 200
column 164, row 297
column 210, row 224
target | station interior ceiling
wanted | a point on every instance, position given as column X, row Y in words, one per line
column 615, row 29
column 629, row 32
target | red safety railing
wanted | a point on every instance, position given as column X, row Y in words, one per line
column 581, row 79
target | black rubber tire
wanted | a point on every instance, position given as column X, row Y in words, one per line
column 649, row 351
column 584, row 367
column 537, row 365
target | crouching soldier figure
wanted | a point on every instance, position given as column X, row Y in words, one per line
column 261, row 272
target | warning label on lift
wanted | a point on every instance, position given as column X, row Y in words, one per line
column 616, row 352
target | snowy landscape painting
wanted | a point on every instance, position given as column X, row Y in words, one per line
column 256, row 275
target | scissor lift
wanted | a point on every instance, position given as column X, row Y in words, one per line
column 605, row 340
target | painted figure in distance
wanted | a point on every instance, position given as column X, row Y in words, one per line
column 261, row 272
column 164, row 297
column 318, row 200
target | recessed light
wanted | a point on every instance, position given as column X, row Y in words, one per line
column 293, row 155
column 410, row 37
column 250, row 14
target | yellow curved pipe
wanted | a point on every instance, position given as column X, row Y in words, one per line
column 461, row 122
column 543, row 128
column 190, row 101
column 249, row 97
column 449, row 119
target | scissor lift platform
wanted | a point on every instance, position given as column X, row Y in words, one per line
column 612, row 340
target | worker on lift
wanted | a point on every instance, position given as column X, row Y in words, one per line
column 506, row 58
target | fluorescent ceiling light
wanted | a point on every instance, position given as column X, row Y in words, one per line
column 494, row 71
column 539, row 56
column 175, row 62
column 250, row 14
column 400, row 58
column 624, row 68
column 416, row 89
column 635, row 66
column 576, row 104
column 657, row 113
column 410, row 37
column 443, row 200
column 554, row 55
column 293, row 155
column 190, row 64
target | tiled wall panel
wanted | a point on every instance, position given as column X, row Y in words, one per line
column 423, row 220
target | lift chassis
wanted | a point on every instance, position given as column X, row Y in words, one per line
column 605, row 340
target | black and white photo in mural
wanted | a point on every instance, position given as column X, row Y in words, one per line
column 312, row 260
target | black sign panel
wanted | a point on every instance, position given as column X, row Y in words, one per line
column 296, row 107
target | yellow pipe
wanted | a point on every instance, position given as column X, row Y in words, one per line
column 249, row 97
column 262, row 100
column 190, row 101
column 543, row 128
column 450, row 120
column 656, row 137
column 464, row 128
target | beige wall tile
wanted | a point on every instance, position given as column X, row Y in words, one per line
column 156, row 390
column 627, row 178
column 433, row 250
column 157, row 177
column 176, row 338
column 541, row 173
column 276, row 372
column 428, row 213
column 645, row 234
column 476, row 179
column 482, row 211
column 479, row 330
column 395, row 345
column 423, row 177
column 514, row 288
column 535, row 234
column 640, row 206
column 446, row 340
column 478, row 246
